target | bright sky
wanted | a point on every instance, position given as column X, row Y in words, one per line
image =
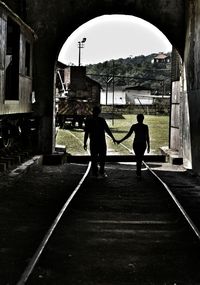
column 112, row 37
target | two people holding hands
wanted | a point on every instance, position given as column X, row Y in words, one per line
column 95, row 128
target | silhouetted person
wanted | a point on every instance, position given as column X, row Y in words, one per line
column 95, row 128
column 140, row 142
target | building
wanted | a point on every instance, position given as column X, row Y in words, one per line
column 161, row 58
column 136, row 95
column 108, row 98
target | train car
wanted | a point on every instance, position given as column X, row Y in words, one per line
column 72, row 112
column 16, row 47
column 77, row 95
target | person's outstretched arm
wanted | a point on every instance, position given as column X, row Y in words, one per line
column 127, row 135
column 148, row 140
column 108, row 131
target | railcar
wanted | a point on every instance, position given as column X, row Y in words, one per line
column 77, row 95
column 16, row 93
column 72, row 112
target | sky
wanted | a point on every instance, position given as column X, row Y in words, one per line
column 112, row 37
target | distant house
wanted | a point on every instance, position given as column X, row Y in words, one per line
column 132, row 95
column 137, row 95
column 161, row 58
column 108, row 98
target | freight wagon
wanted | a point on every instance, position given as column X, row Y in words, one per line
column 77, row 95
column 16, row 46
column 73, row 112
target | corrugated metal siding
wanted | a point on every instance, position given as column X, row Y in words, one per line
column 175, row 138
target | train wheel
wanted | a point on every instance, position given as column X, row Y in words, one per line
column 8, row 135
column 6, row 141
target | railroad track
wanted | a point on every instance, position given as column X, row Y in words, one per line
column 99, row 233
column 190, row 222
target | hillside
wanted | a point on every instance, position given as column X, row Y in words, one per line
column 134, row 71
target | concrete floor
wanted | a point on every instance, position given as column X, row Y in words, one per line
column 121, row 253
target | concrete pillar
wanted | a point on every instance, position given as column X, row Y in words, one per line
column 192, row 66
column 186, row 138
column 44, row 94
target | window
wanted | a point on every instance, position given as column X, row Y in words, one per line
column 27, row 59
column 12, row 60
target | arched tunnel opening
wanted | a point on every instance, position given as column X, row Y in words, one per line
column 123, row 209
column 127, row 61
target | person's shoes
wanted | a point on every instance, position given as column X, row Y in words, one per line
column 103, row 175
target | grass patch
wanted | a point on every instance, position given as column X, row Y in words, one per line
column 158, row 131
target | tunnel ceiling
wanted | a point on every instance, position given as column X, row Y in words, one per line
column 55, row 20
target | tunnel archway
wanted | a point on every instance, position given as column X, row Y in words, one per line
column 113, row 37
column 167, row 16
column 54, row 21
column 103, row 35
column 54, row 25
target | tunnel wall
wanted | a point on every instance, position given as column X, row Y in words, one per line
column 192, row 77
column 53, row 21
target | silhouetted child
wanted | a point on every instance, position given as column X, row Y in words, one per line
column 140, row 142
column 95, row 128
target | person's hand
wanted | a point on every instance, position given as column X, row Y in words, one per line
column 118, row 141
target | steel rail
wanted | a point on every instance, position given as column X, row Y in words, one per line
column 36, row 256
column 181, row 209
column 31, row 265
column 184, row 213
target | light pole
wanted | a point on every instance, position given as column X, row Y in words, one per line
column 113, row 93
column 108, row 80
column 80, row 46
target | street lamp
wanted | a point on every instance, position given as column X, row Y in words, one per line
column 80, row 46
